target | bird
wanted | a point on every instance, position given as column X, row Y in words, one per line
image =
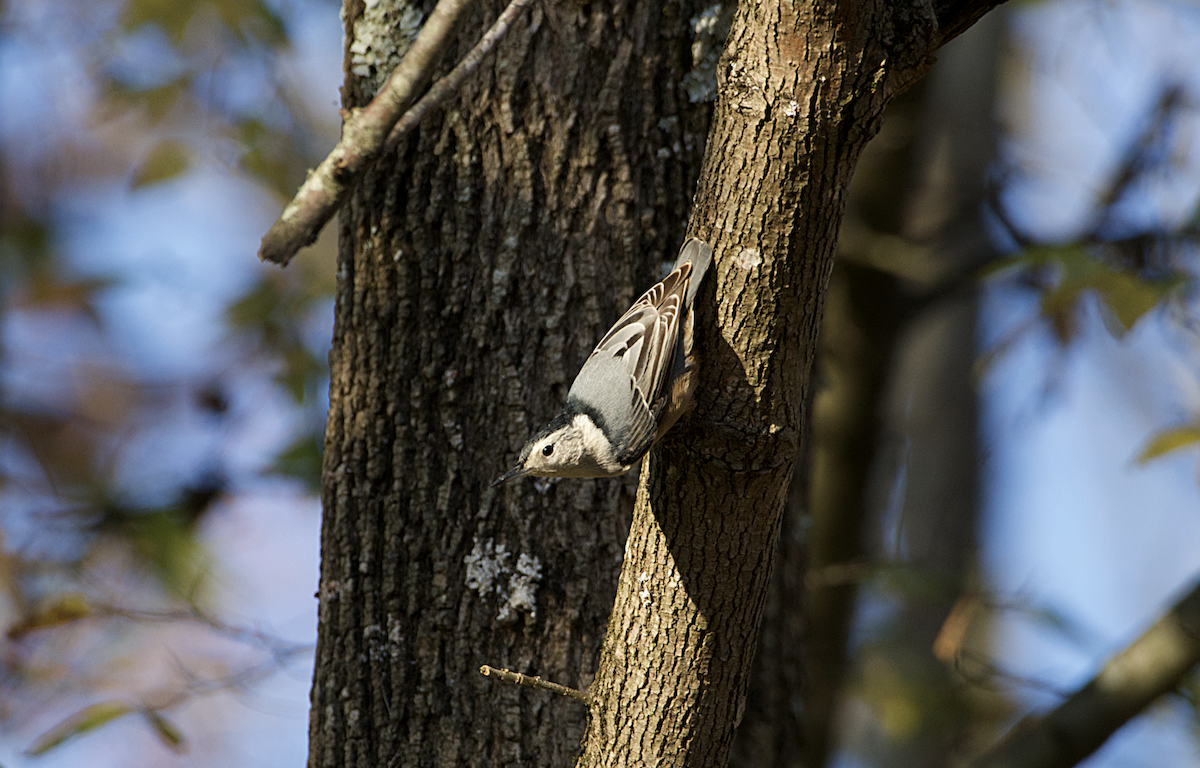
column 635, row 385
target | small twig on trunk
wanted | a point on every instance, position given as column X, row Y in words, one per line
column 376, row 128
column 516, row 678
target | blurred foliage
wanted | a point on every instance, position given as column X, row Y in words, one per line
column 1065, row 274
column 251, row 22
column 1168, row 440
column 87, row 719
column 171, row 88
column 166, row 161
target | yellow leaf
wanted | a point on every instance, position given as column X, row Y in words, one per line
column 65, row 608
column 166, row 161
column 1169, row 440
column 1129, row 296
column 87, row 719
column 166, row 731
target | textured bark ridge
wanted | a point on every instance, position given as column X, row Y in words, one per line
column 477, row 270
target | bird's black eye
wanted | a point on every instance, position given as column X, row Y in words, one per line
column 549, row 449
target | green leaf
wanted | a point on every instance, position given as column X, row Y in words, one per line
column 271, row 156
column 87, row 719
column 1069, row 271
column 168, row 733
column 1169, row 440
column 252, row 21
column 302, row 459
column 1129, row 297
column 166, row 161
column 172, row 16
column 163, row 541
column 256, row 307
column 301, row 370
column 275, row 173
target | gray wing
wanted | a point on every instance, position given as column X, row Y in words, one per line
column 625, row 375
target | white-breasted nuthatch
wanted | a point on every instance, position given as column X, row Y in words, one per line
column 634, row 386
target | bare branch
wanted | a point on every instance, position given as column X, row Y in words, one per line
column 1150, row 667
column 326, row 189
column 443, row 89
column 363, row 137
column 516, row 678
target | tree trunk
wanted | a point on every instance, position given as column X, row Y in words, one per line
column 476, row 271
column 801, row 89
column 800, row 92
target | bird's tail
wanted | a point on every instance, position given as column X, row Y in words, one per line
column 700, row 254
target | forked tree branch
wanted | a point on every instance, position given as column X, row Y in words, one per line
column 377, row 127
column 443, row 89
column 956, row 16
column 1150, row 667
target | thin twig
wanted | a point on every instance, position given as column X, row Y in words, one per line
column 516, row 678
column 363, row 137
column 443, row 89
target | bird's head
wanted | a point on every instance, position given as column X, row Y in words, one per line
column 569, row 446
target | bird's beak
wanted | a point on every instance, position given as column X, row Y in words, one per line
column 517, row 471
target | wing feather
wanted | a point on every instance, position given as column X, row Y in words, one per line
column 644, row 340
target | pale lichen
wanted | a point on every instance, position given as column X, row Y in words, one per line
column 487, row 567
column 749, row 258
column 522, row 587
column 710, row 28
column 486, row 563
column 381, row 37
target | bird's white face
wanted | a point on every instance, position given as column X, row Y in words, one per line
column 578, row 448
column 559, row 454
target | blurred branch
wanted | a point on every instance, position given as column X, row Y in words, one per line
column 151, row 706
column 378, row 127
column 1137, row 159
column 1139, row 155
column 280, row 650
column 1151, row 666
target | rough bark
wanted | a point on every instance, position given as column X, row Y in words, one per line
column 771, row 734
column 477, row 268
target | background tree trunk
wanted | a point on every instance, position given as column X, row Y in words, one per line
column 476, row 271
column 896, row 444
